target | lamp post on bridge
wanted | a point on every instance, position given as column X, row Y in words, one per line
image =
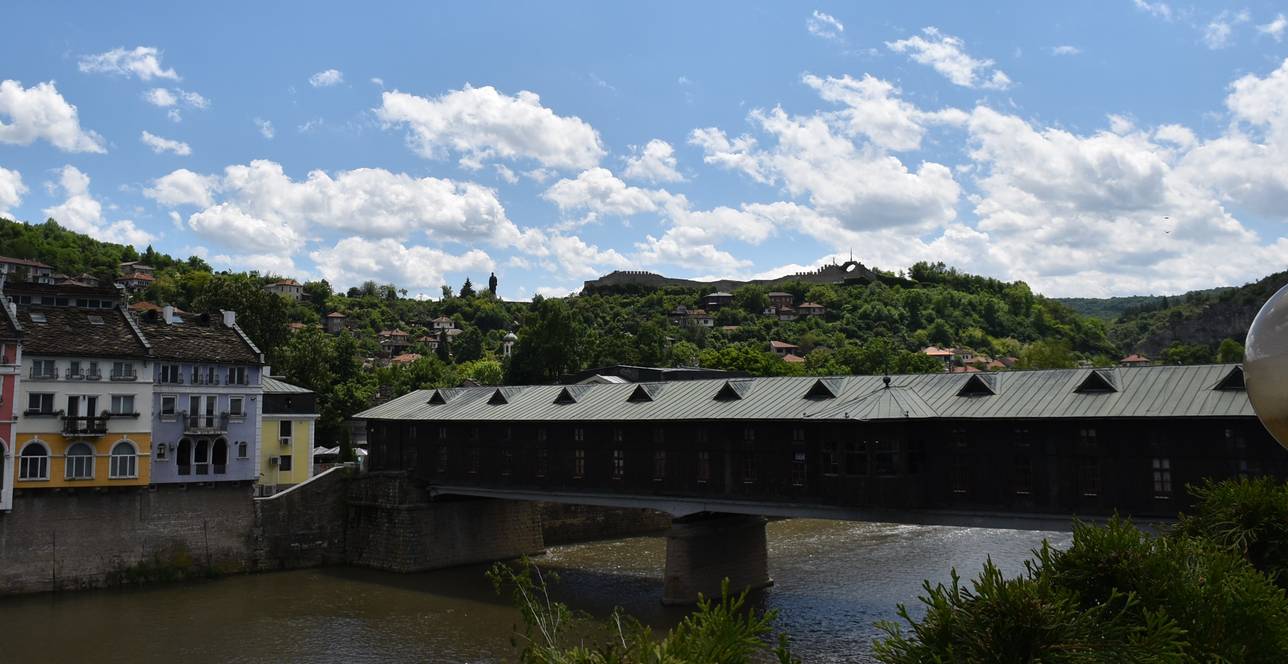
column 1265, row 365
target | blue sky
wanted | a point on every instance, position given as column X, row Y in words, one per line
column 1141, row 147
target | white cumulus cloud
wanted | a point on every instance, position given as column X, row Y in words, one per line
column 947, row 55
column 1219, row 30
column 420, row 269
column 39, row 112
column 654, row 163
column 1275, row 28
column 82, row 213
column 824, row 25
column 483, row 124
column 160, row 145
column 265, row 128
column 11, row 191
column 326, row 78
column 143, row 62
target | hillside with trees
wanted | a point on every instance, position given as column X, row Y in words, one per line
column 878, row 327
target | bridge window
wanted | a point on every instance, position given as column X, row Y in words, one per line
column 958, row 436
column 798, row 469
column 856, row 457
column 1087, row 442
column 659, row 435
column 442, row 433
column 442, row 458
column 411, row 430
column 474, row 460
column 578, row 464
column 543, row 462
column 1162, row 477
column 1089, row 476
column 887, row 457
column 578, row 434
column 507, row 434
column 1022, row 475
column 659, row 465
column 1022, row 436
column 703, row 435
column 748, row 434
column 831, row 460
column 474, row 433
column 704, row 466
column 541, row 435
column 618, row 435
column 507, row 457
column 960, row 477
column 798, row 435
column 619, row 463
column 748, row 468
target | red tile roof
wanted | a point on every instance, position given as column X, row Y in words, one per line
column 794, row 359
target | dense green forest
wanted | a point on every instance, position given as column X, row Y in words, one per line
column 874, row 328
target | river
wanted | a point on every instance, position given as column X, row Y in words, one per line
column 833, row 580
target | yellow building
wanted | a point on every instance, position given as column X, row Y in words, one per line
column 45, row 461
column 84, row 405
column 287, row 438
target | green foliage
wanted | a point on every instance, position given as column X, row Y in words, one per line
column 723, row 632
column 1046, row 355
column 260, row 314
column 549, row 346
column 1230, row 351
column 1250, row 516
column 1120, row 594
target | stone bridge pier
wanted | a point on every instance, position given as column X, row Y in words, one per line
column 704, row 549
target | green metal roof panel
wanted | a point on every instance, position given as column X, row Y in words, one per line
column 1162, row 391
column 275, row 386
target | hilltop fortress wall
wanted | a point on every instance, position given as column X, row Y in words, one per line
column 850, row 272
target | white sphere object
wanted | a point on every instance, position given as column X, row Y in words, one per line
column 1265, row 365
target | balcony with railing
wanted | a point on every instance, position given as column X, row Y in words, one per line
column 124, row 374
column 85, row 425
column 205, row 425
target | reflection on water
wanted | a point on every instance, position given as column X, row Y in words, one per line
column 833, row 580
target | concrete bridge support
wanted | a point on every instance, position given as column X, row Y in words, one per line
column 704, row 549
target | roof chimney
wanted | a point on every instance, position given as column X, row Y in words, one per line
column 167, row 314
column 230, row 318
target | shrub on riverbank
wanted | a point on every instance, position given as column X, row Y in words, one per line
column 1196, row 593
column 718, row 632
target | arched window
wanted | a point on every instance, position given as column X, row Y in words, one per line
column 201, row 458
column 124, row 461
column 80, row 462
column 219, row 459
column 33, row 463
column 183, row 460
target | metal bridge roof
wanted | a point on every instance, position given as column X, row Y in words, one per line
column 1135, row 392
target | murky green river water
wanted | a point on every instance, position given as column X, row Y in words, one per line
column 833, row 580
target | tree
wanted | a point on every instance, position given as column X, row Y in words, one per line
column 447, row 292
column 316, row 293
column 442, row 350
column 1229, row 351
column 1046, row 355
column 549, row 345
column 467, row 288
column 483, row 372
column 469, row 345
column 260, row 314
column 307, row 359
column 491, row 284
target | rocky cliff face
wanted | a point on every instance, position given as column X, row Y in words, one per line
column 1213, row 318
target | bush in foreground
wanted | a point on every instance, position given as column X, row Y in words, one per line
column 723, row 632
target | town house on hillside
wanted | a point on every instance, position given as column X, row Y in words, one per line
column 206, row 398
column 287, row 288
column 22, row 269
column 85, row 399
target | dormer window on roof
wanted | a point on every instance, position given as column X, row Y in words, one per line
column 733, row 390
column 644, row 392
column 824, row 388
column 571, row 394
column 498, row 398
column 979, row 385
column 1099, row 381
column 438, row 398
column 1232, row 380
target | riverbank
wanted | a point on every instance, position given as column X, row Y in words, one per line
column 833, row 581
